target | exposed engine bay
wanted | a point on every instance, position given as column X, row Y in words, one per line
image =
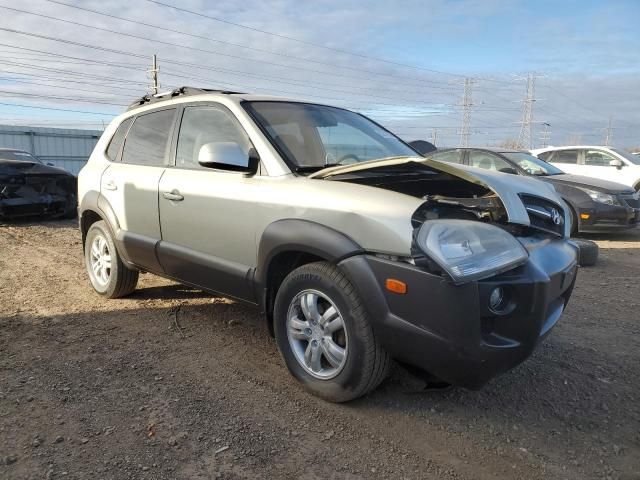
column 445, row 195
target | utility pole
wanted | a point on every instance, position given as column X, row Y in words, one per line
column 524, row 139
column 609, row 135
column 155, row 86
column 546, row 134
column 466, row 105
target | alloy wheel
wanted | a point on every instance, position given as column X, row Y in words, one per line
column 317, row 334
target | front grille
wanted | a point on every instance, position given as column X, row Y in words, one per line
column 544, row 214
column 631, row 199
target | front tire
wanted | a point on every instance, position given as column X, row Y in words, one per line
column 109, row 276
column 325, row 335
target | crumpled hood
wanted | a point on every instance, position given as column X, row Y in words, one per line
column 506, row 186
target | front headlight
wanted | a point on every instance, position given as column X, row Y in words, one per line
column 469, row 250
column 600, row 197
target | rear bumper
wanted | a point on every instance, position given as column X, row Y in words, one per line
column 608, row 217
column 449, row 330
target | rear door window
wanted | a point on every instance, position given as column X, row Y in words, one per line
column 148, row 139
column 565, row 156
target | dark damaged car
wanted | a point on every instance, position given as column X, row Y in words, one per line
column 28, row 187
column 357, row 250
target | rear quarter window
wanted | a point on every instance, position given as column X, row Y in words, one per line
column 118, row 139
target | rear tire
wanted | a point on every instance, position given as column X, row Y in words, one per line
column 316, row 303
column 108, row 275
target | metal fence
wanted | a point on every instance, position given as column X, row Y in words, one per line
column 65, row 148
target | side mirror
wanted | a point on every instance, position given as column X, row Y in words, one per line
column 228, row 156
column 509, row 170
column 616, row 163
column 51, row 164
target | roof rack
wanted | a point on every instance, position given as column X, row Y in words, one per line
column 161, row 97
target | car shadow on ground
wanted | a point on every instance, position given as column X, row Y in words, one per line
column 168, row 292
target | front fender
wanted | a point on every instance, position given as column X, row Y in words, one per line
column 302, row 236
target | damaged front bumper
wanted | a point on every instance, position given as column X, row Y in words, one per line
column 25, row 201
column 450, row 331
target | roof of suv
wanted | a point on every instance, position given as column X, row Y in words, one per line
column 182, row 92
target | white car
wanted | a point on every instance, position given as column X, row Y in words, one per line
column 605, row 163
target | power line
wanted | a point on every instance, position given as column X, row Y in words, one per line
column 138, row 22
column 305, row 42
column 56, row 109
column 213, row 52
column 55, row 97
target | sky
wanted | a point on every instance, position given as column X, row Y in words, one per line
column 402, row 63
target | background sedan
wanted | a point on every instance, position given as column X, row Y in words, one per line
column 595, row 204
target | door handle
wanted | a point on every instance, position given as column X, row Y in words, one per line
column 173, row 195
column 110, row 185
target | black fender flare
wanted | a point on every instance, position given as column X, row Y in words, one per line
column 300, row 236
column 96, row 202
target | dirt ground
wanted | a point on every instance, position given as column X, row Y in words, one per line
column 172, row 383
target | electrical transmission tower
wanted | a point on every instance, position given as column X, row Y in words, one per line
column 546, row 134
column 525, row 137
column 466, row 105
column 434, row 136
column 609, row 133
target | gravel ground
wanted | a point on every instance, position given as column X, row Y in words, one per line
column 172, row 383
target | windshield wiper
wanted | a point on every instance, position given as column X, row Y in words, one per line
column 312, row 169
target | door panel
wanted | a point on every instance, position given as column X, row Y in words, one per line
column 132, row 192
column 207, row 215
column 208, row 237
column 131, row 185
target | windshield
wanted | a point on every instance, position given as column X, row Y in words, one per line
column 635, row 159
column 18, row 155
column 312, row 137
column 532, row 165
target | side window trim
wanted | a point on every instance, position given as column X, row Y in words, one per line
column 178, row 125
column 166, row 158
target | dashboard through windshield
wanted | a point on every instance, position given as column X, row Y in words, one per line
column 311, row 137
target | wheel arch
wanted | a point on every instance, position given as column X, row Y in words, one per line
column 290, row 243
column 94, row 208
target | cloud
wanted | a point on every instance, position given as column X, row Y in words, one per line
column 590, row 66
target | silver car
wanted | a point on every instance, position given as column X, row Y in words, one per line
column 356, row 249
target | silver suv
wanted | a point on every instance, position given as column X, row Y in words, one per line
column 356, row 249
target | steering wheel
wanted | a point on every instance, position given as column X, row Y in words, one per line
column 348, row 159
